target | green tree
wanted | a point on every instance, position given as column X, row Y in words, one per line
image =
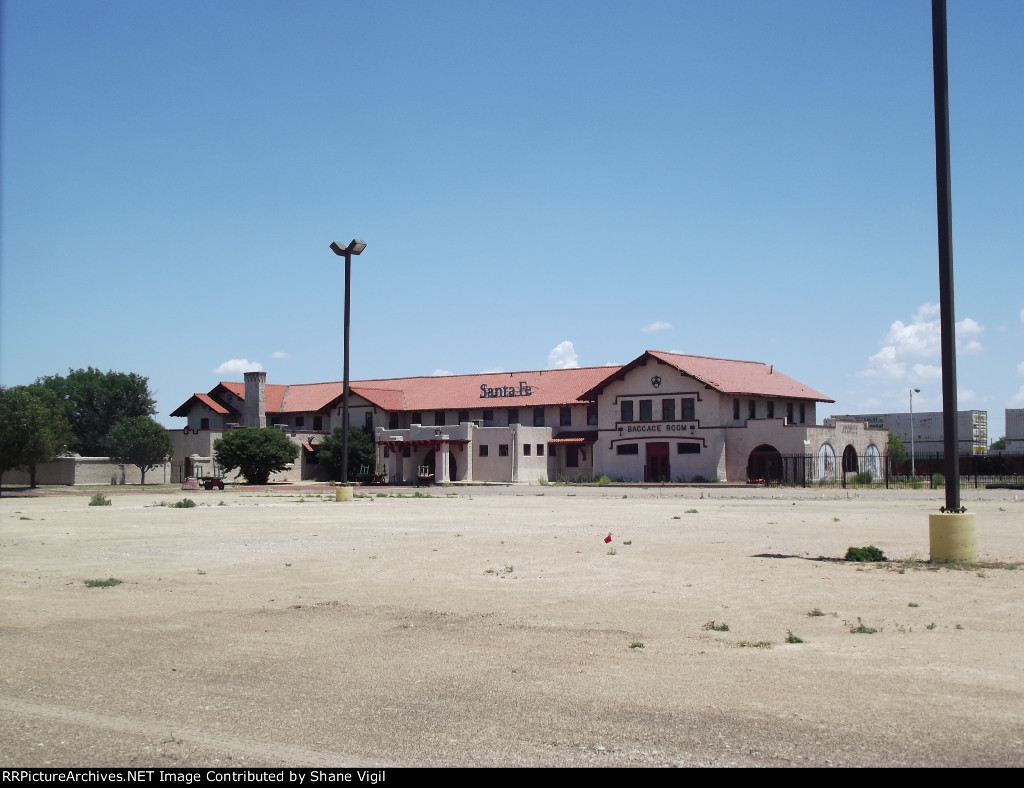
column 33, row 429
column 361, row 451
column 896, row 451
column 140, row 441
column 256, row 451
column 95, row 401
column 999, row 444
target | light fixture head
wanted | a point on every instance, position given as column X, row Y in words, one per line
column 355, row 247
column 917, row 391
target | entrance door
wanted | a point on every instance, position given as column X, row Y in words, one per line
column 657, row 463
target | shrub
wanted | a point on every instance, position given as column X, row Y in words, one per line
column 110, row 581
column 863, row 477
column 185, row 503
column 938, row 480
column 99, row 499
column 865, row 555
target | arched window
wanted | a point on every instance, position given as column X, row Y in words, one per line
column 826, row 462
column 873, row 462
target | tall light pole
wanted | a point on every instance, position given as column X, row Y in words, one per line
column 354, row 247
column 913, row 471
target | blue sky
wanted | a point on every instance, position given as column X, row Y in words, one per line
column 539, row 184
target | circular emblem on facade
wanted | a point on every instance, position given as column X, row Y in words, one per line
column 656, row 381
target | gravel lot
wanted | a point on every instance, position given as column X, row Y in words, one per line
column 496, row 627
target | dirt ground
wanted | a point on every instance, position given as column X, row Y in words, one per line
column 497, row 627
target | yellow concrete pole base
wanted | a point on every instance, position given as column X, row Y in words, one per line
column 951, row 537
column 343, row 493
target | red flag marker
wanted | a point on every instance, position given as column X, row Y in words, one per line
column 607, row 539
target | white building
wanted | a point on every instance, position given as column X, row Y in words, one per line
column 662, row 417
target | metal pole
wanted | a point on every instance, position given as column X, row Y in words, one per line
column 913, row 471
column 944, row 207
column 344, row 395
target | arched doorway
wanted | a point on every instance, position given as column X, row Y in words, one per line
column 431, row 459
column 849, row 460
column 764, row 464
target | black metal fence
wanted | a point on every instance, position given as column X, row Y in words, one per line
column 882, row 471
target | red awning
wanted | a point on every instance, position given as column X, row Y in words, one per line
column 574, row 438
column 434, row 444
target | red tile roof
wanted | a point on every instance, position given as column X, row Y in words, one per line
column 739, row 378
column 515, row 389
column 206, row 399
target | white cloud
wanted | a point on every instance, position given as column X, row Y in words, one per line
column 1020, row 368
column 908, row 346
column 965, row 396
column 1022, row 316
column 491, row 370
column 563, row 356
column 440, row 373
column 657, row 325
column 1017, row 400
column 236, row 366
column 279, row 354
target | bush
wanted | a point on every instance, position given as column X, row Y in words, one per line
column 99, row 499
column 863, row 477
column 938, row 480
column 256, row 451
column 865, row 555
column 184, row 503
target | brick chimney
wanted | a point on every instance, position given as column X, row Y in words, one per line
column 254, row 412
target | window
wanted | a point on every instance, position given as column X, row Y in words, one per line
column 627, row 410
column 803, row 414
column 318, row 423
column 463, row 416
column 565, row 416
column 415, row 417
column 392, row 421
column 592, row 415
column 627, row 448
column 668, row 410
column 439, row 417
column 552, row 450
column 503, row 450
column 407, row 451
column 300, row 421
column 540, row 449
column 789, row 412
column 752, row 409
column 368, row 421
column 538, row 417
column 735, row 409
column 770, row 405
column 687, row 448
column 572, row 457
column 488, row 416
column 513, row 415
column 646, row 410
column 484, row 448
column 526, row 449
column 204, row 424
column 689, row 412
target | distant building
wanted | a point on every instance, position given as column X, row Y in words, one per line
column 972, row 429
column 662, row 417
column 1015, row 430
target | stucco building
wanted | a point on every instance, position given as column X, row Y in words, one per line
column 663, row 416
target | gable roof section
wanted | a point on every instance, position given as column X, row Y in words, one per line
column 738, row 378
column 206, row 400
